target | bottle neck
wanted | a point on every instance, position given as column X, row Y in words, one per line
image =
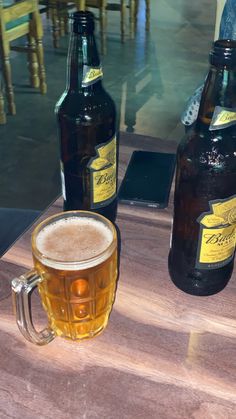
column 220, row 85
column 219, row 90
column 82, row 58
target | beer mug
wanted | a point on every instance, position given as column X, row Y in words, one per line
column 75, row 270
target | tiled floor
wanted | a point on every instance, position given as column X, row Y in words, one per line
column 150, row 79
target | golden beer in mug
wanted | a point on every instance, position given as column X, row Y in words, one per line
column 75, row 269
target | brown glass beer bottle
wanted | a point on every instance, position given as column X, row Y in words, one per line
column 86, row 118
column 203, row 235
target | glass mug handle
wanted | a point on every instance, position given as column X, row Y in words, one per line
column 21, row 290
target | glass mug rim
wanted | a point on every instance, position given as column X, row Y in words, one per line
column 74, row 265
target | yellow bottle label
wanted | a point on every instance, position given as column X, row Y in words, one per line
column 103, row 170
column 216, row 244
column 223, row 118
column 91, row 75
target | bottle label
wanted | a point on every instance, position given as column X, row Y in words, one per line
column 223, row 118
column 91, row 75
column 102, row 169
column 216, row 244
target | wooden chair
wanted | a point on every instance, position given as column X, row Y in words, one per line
column 105, row 6
column 16, row 20
column 122, row 5
column 59, row 11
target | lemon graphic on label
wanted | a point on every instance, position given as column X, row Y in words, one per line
column 99, row 163
column 212, row 220
column 232, row 216
column 223, row 209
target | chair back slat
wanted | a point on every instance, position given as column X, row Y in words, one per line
column 18, row 31
column 18, row 10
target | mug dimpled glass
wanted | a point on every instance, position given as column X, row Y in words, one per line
column 77, row 291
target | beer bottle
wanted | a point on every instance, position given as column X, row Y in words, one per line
column 86, row 118
column 203, row 235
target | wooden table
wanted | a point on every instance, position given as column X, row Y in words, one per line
column 164, row 354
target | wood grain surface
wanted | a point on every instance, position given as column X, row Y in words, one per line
column 164, row 354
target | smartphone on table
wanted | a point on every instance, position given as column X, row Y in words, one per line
column 148, row 179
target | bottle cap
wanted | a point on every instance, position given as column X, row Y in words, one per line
column 82, row 22
column 223, row 53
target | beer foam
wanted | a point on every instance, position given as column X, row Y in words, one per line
column 73, row 239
